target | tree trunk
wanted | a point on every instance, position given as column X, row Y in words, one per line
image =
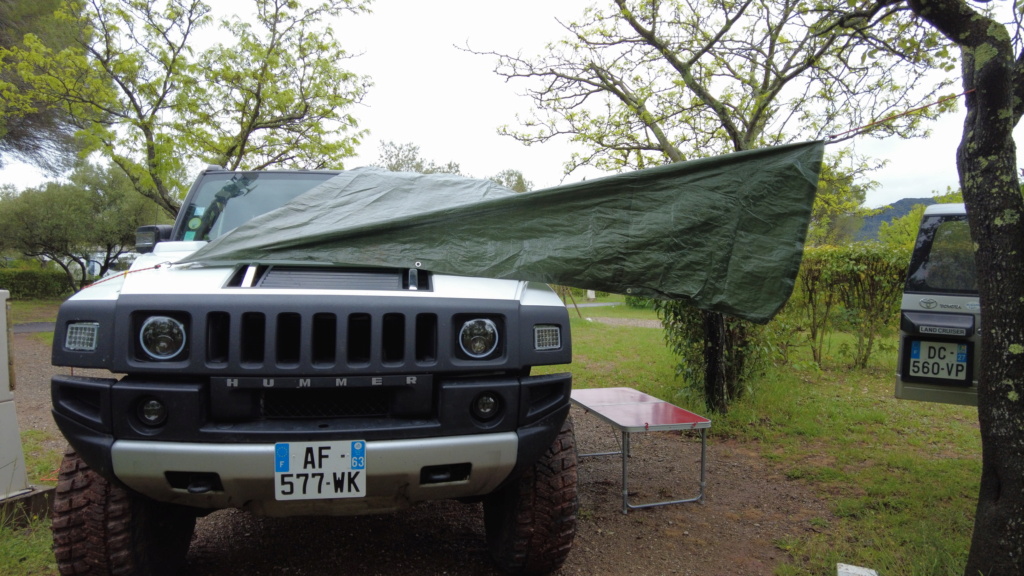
column 69, row 274
column 997, row 546
column 987, row 165
column 986, row 162
column 716, row 396
column 998, row 543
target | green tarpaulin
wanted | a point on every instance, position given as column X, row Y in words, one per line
column 724, row 233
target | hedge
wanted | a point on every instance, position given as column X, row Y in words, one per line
column 28, row 284
column 855, row 288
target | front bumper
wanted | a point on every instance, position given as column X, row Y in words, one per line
column 198, row 459
column 243, row 474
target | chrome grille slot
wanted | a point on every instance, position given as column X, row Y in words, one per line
column 393, row 339
column 253, row 337
column 289, row 339
column 426, row 337
column 360, row 335
column 324, row 347
column 218, row 337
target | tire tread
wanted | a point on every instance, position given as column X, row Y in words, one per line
column 531, row 524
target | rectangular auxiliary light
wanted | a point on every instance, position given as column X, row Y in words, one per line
column 82, row 336
column 547, row 337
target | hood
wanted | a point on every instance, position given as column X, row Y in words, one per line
column 161, row 272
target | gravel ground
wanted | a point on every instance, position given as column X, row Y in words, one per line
column 749, row 506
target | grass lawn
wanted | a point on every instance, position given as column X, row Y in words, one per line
column 902, row 476
column 25, row 549
column 23, row 311
column 27, row 311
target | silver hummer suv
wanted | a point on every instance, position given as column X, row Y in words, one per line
column 303, row 389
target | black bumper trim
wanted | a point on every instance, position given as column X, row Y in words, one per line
column 85, row 409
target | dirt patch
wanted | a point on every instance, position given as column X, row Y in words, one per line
column 749, row 507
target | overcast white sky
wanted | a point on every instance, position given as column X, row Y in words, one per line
column 450, row 103
column 446, row 101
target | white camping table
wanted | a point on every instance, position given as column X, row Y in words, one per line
column 629, row 411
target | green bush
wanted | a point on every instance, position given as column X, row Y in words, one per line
column 853, row 288
column 639, row 303
column 749, row 349
column 34, row 284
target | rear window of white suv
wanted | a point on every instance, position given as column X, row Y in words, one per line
column 943, row 259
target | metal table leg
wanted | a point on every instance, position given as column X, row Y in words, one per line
column 626, row 506
column 625, row 472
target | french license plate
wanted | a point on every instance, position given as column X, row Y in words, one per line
column 318, row 470
column 946, row 360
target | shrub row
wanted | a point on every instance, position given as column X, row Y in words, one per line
column 29, row 284
column 855, row 289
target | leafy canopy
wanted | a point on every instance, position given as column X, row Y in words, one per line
column 838, row 212
column 90, row 218
column 31, row 128
column 639, row 83
column 142, row 91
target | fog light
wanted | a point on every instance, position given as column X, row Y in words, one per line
column 486, row 406
column 478, row 338
column 162, row 337
column 152, row 412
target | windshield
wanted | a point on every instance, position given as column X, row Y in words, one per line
column 943, row 259
column 224, row 201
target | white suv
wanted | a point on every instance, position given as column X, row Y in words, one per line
column 940, row 318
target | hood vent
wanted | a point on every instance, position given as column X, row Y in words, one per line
column 322, row 278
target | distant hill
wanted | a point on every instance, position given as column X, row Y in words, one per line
column 898, row 209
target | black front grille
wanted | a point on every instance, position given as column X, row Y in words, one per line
column 260, row 333
column 320, row 340
column 319, row 404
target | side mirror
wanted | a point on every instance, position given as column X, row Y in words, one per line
column 147, row 237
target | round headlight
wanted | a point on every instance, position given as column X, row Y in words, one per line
column 162, row 337
column 478, row 338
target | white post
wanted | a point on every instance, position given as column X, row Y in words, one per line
column 13, row 480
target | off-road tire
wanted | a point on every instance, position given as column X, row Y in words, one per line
column 531, row 523
column 102, row 529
